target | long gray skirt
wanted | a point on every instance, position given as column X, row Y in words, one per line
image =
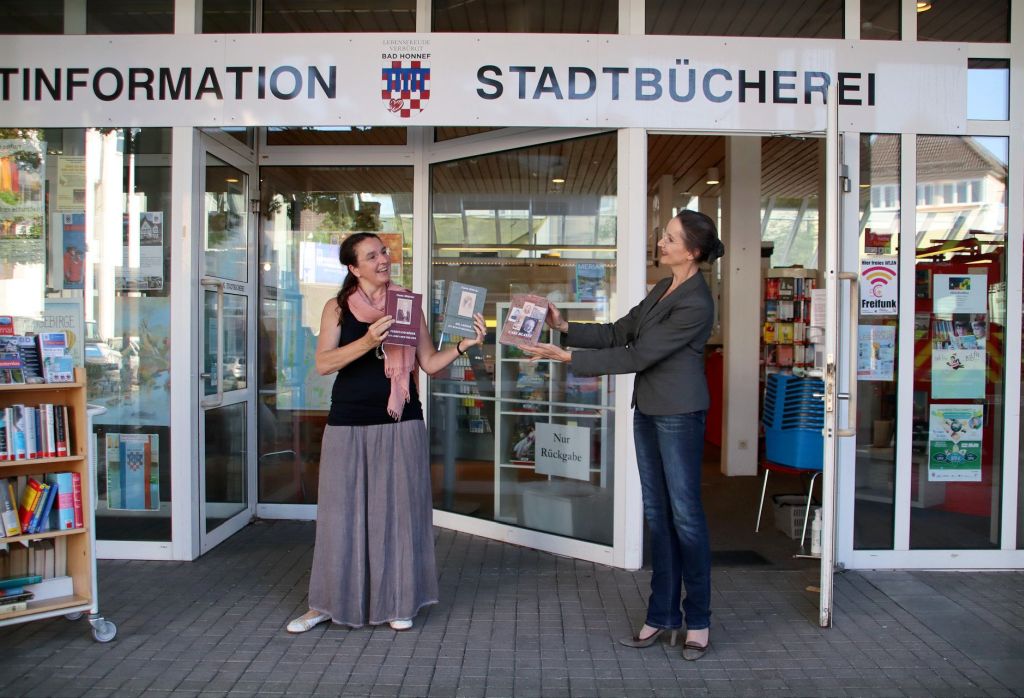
column 374, row 556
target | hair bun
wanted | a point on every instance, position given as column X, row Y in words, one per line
column 718, row 252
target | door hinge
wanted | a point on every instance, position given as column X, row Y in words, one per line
column 844, row 178
column 254, row 206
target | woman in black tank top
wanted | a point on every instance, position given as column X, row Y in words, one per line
column 373, row 561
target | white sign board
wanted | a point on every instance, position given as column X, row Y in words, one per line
column 563, row 451
column 601, row 81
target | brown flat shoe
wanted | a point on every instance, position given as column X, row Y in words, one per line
column 693, row 651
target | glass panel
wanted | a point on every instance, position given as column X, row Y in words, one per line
column 977, row 20
column 90, row 258
column 447, row 133
column 791, row 173
column 539, row 220
column 129, row 16
column 526, row 16
column 880, row 19
column 37, row 17
column 874, row 510
column 336, row 135
column 236, row 350
column 225, row 235
column 960, row 319
column 226, row 452
column 282, row 16
column 227, row 16
column 821, row 19
column 988, row 89
column 308, row 211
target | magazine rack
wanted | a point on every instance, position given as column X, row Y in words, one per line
column 531, row 392
column 80, row 542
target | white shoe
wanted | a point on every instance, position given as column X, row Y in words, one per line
column 307, row 622
column 401, row 624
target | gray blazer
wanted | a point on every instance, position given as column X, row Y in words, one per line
column 663, row 343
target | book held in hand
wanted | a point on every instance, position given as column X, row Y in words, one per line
column 525, row 320
column 406, row 309
column 463, row 302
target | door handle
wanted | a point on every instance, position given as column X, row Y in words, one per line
column 218, row 397
column 851, row 360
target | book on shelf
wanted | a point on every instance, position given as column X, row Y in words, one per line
column 589, row 281
column 787, row 288
column 55, row 357
column 27, row 504
column 39, row 431
column 28, row 351
column 525, row 320
column 405, row 307
column 463, row 302
column 784, row 355
column 12, row 371
column 9, row 509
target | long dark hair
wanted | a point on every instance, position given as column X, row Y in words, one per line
column 348, row 257
column 700, row 235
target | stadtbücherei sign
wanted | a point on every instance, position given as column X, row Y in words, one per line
column 465, row 80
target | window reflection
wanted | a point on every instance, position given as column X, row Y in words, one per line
column 790, row 176
column 978, row 20
column 877, row 356
column 305, row 214
column 822, row 19
column 959, row 323
column 526, row 16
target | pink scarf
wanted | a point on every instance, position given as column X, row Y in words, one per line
column 399, row 361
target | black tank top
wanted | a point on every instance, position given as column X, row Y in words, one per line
column 361, row 390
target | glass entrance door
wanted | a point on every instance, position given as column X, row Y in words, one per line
column 227, row 437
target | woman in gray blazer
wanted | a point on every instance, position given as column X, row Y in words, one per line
column 662, row 341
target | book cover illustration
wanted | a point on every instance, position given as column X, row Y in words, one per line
column 24, row 347
column 525, row 320
column 589, row 280
column 406, row 308
column 57, row 362
column 133, row 472
column 463, row 302
column 10, row 368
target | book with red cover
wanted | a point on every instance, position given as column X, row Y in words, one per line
column 406, row 309
column 525, row 319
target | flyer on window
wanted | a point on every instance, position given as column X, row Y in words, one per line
column 143, row 254
column 70, row 183
column 960, row 293
column 133, row 471
column 876, row 352
column 954, row 443
column 958, row 374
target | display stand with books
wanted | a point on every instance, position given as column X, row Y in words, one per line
column 785, row 320
column 74, row 592
column 534, row 392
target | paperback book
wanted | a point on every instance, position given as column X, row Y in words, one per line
column 57, row 364
column 525, row 320
column 405, row 308
column 463, row 302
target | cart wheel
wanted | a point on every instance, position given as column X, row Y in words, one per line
column 73, row 616
column 104, row 631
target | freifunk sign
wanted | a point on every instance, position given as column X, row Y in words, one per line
column 655, row 82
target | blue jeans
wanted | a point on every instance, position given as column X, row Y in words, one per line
column 669, row 450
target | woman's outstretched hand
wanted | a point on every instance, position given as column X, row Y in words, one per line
column 546, row 351
column 555, row 320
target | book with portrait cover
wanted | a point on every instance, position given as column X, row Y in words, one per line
column 525, row 319
column 406, row 309
column 463, row 301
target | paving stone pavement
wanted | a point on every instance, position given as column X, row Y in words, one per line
column 517, row 622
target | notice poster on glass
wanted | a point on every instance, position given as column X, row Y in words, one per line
column 142, row 262
column 876, row 352
column 68, row 245
column 133, row 472
column 563, row 450
column 70, row 183
column 958, row 373
column 878, row 286
column 22, row 219
column 960, row 293
column 954, row 443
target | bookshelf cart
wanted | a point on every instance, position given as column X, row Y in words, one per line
column 81, row 542
column 531, row 392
